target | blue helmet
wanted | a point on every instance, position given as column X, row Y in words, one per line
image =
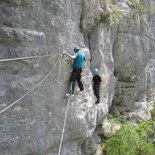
column 95, row 71
column 75, row 48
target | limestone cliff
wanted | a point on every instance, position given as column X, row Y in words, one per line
column 121, row 52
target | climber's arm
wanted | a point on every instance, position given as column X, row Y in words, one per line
column 69, row 55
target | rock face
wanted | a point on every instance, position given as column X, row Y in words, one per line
column 42, row 27
column 34, row 124
column 132, row 52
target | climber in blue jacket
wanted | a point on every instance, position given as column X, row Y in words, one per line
column 78, row 60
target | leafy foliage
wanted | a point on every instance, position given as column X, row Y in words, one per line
column 112, row 117
column 137, row 5
column 114, row 13
column 131, row 140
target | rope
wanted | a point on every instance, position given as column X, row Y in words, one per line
column 24, row 58
column 31, row 89
column 63, row 130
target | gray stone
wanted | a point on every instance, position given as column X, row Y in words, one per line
column 121, row 52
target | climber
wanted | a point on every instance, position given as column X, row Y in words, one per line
column 96, row 85
column 78, row 59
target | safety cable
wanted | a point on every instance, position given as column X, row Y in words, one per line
column 66, row 114
column 63, row 130
column 32, row 88
column 24, row 58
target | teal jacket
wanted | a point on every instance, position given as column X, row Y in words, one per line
column 79, row 58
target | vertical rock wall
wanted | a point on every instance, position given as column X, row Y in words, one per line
column 132, row 52
column 39, row 27
column 34, row 125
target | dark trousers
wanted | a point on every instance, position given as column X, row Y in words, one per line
column 97, row 94
column 76, row 76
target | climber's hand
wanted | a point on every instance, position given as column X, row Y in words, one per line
column 64, row 53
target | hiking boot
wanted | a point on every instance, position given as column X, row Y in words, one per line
column 97, row 102
column 70, row 94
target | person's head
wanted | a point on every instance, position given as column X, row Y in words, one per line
column 76, row 49
column 95, row 71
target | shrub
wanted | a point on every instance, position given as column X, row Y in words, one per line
column 114, row 13
column 131, row 140
column 137, row 5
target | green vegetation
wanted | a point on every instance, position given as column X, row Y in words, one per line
column 130, row 139
column 137, row 5
column 141, row 7
column 114, row 16
column 113, row 118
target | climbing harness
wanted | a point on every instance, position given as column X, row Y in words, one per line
column 32, row 88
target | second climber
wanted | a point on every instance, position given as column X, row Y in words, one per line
column 96, row 85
